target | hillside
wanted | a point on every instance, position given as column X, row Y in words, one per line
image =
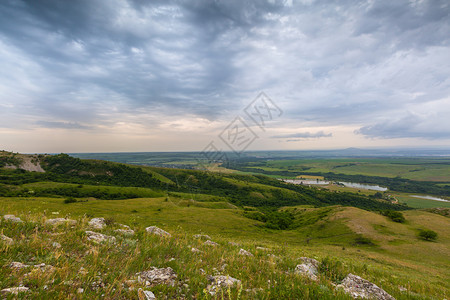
column 390, row 255
column 276, row 222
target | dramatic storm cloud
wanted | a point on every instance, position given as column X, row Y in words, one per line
column 116, row 75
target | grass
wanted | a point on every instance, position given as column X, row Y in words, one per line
column 329, row 234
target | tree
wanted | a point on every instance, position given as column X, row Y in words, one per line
column 428, row 235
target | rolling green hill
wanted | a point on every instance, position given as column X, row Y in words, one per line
column 344, row 231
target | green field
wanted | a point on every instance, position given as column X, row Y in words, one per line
column 425, row 169
column 421, row 203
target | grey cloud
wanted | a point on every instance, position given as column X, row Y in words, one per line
column 347, row 62
column 407, row 23
column 409, row 126
column 303, row 135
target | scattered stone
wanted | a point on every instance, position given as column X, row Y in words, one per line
column 18, row 265
column 43, row 267
column 59, row 221
column 402, row 289
column 124, row 226
column 262, row 249
column 98, row 237
column 56, row 245
column 40, row 268
column 309, row 268
column 195, row 250
column 157, row 231
column 358, row 287
column 202, row 271
column 96, row 285
column 157, row 276
column 233, row 244
column 127, row 232
column 202, row 236
column 145, row 295
column 12, row 218
column 80, row 290
column 245, row 252
column 82, row 271
column 6, row 240
column 210, row 243
column 14, row 290
column 97, row 223
column 220, row 281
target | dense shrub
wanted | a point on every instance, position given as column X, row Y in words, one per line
column 395, row 216
column 70, row 200
column 273, row 219
column 428, row 235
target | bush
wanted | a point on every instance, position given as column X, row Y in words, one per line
column 428, row 235
column 279, row 220
column 395, row 216
column 70, row 200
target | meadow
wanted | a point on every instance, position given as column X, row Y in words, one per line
column 390, row 255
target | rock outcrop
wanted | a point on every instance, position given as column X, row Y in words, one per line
column 308, row 267
column 145, row 295
column 56, row 245
column 59, row 221
column 157, row 231
column 210, row 243
column 358, row 287
column 18, row 265
column 202, row 236
column 14, row 290
column 97, row 223
column 99, row 238
column 221, row 281
column 245, row 252
column 6, row 240
column 156, row 276
column 12, row 218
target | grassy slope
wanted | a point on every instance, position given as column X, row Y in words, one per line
column 397, row 259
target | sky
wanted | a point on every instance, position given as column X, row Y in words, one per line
column 134, row 75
